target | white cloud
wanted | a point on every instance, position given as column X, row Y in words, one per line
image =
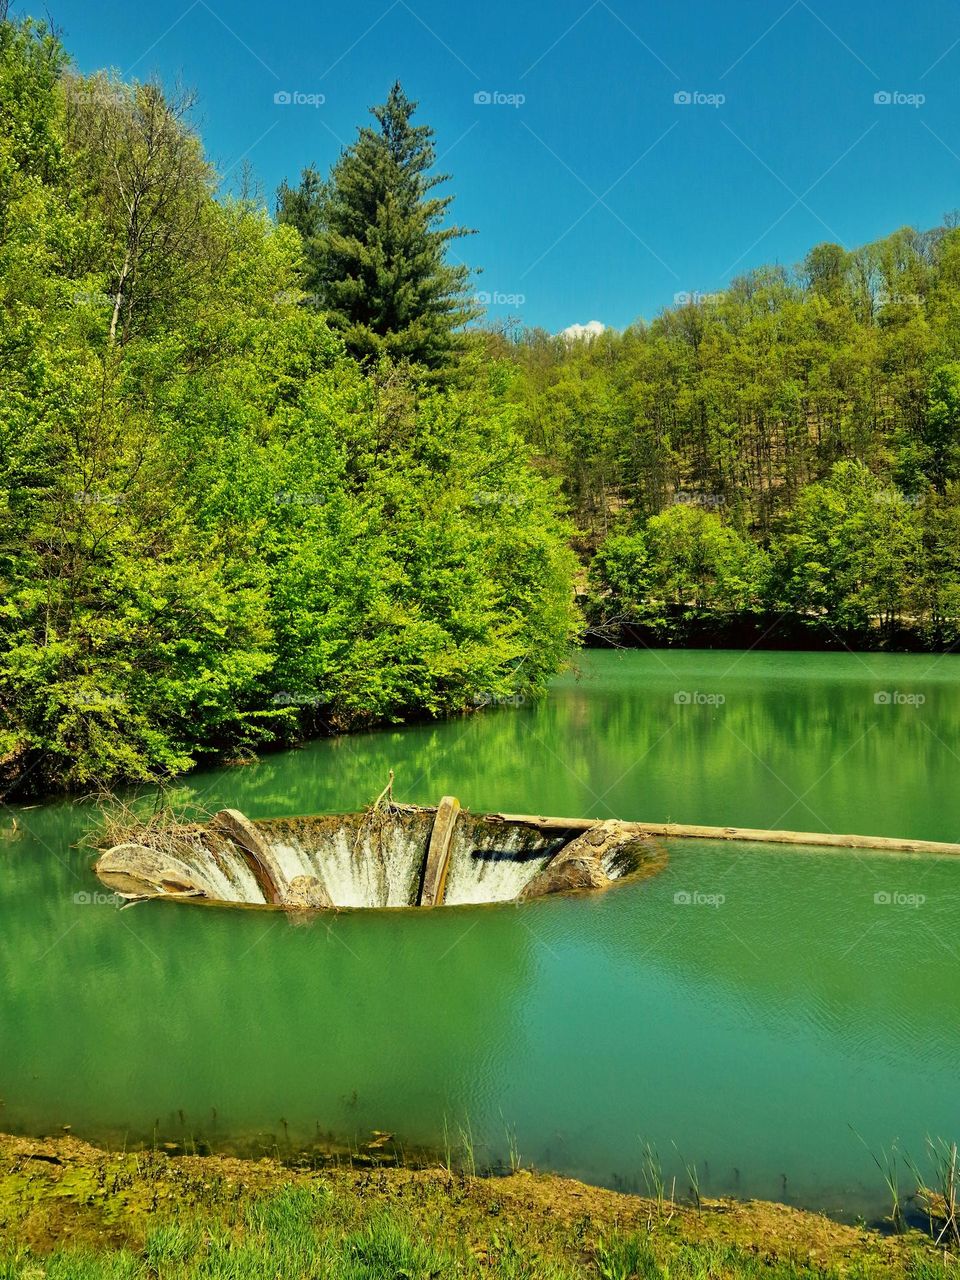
column 588, row 330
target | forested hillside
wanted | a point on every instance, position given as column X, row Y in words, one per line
column 219, row 529
column 263, row 475
column 785, row 454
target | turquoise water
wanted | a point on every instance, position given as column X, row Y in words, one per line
column 759, row 1030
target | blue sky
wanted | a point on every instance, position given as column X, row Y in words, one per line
column 598, row 195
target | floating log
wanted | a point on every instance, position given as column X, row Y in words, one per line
column 437, row 863
column 749, row 835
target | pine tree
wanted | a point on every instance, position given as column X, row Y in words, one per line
column 303, row 207
column 376, row 245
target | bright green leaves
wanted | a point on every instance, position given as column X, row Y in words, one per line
column 216, row 529
column 684, row 566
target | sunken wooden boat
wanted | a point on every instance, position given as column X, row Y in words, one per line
column 388, row 856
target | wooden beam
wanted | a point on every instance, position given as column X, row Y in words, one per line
column 256, row 853
column 438, row 854
column 820, row 839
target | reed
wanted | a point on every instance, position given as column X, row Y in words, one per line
column 513, row 1150
column 468, row 1148
column 887, row 1163
column 938, row 1194
column 654, row 1181
column 459, row 1155
column 693, row 1176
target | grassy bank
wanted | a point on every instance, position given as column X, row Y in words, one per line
column 69, row 1210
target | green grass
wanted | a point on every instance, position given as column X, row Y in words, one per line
column 306, row 1233
column 70, row 1212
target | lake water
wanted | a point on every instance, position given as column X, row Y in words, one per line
column 759, row 1011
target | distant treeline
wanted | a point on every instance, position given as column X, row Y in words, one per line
column 782, row 457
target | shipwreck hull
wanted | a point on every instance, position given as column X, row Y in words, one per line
column 397, row 856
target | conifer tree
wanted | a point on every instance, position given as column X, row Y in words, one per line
column 376, row 243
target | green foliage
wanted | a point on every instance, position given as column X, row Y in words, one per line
column 855, row 557
column 376, row 242
column 623, row 1257
column 221, row 529
column 936, row 593
column 218, row 530
column 850, row 551
column 683, row 565
column 940, row 434
column 814, row 414
column 425, row 573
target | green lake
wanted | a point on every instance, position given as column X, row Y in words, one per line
column 763, row 1012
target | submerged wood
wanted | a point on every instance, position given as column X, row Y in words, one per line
column 259, row 856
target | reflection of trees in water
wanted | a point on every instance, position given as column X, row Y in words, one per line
column 747, row 761
column 620, row 745
column 465, row 756
column 164, row 1008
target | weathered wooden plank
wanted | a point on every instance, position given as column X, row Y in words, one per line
column 882, row 844
column 437, row 863
column 258, row 855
